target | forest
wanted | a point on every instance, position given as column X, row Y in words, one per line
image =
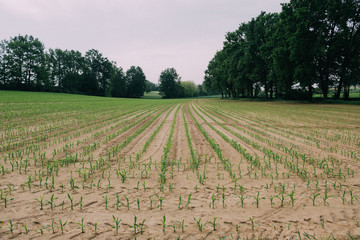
column 25, row 64
column 309, row 47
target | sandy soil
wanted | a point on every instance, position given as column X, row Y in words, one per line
column 323, row 205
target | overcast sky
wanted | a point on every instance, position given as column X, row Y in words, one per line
column 152, row 34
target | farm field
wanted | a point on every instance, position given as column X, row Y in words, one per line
column 89, row 167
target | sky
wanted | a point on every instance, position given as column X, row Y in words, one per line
column 152, row 34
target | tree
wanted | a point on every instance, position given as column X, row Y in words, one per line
column 190, row 89
column 119, row 87
column 136, row 82
column 98, row 73
column 23, row 60
column 149, row 86
column 66, row 70
column 169, row 84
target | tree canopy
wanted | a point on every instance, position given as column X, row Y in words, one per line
column 169, row 84
column 26, row 65
column 310, row 45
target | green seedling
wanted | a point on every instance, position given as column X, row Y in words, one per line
column 51, row 202
column 11, row 227
column 41, row 201
column 117, row 224
column 117, row 204
column 52, row 226
column 106, row 201
column 213, row 223
column 352, row 197
column 313, row 198
column 182, row 225
column 188, row 200
column 6, row 199
column 81, row 225
column 199, row 224
column 213, row 199
column 326, row 197
column 223, row 200
column 95, row 227
column 26, row 229
column 241, row 197
column 71, row 201
column 173, row 227
column 163, row 221
column 257, row 199
column 252, row 223
column 81, row 203
column 161, row 198
column 62, row 225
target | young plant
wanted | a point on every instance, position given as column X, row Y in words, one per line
column 106, row 201
column 326, row 197
column 52, row 226
column 95, row 227
column 117, row 224
column 138, row 203
column 11, row 227
column 352, row 197
column 127, row 202
column 151, row 202
column 188, row 200
column 199, row 224
column 223, row 199
column 213, row 223
column 313, row 198
column 213, row 199
column 117, row 204
column 161, row 198
column 163, row 221
column 123, row 175
column 292, row 199
column 62, row 225
column 81, row 225
column 180, row 202
column 41, row 201
column 173, row 227
column 26, row 229
column 182, row 225
column 282, row 199
column 81, row 203
column 71, row 201
column 242, row 199
column 257, row 199
column 252, row 223
column 51, row 202
column 6, row 199
column 62, row 186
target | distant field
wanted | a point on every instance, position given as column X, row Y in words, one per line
column 194, row 168
column 354, row 93
column 152, row 95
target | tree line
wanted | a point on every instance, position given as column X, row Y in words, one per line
column 26, row 65
column 311, row 45
column 171, row 86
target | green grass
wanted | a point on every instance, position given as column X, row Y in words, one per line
column 152, row 95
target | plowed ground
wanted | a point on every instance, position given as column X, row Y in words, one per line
column 264, row 170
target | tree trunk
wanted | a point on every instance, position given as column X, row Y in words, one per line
column 310, row 92
column 346, row 92
column 338, row 90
